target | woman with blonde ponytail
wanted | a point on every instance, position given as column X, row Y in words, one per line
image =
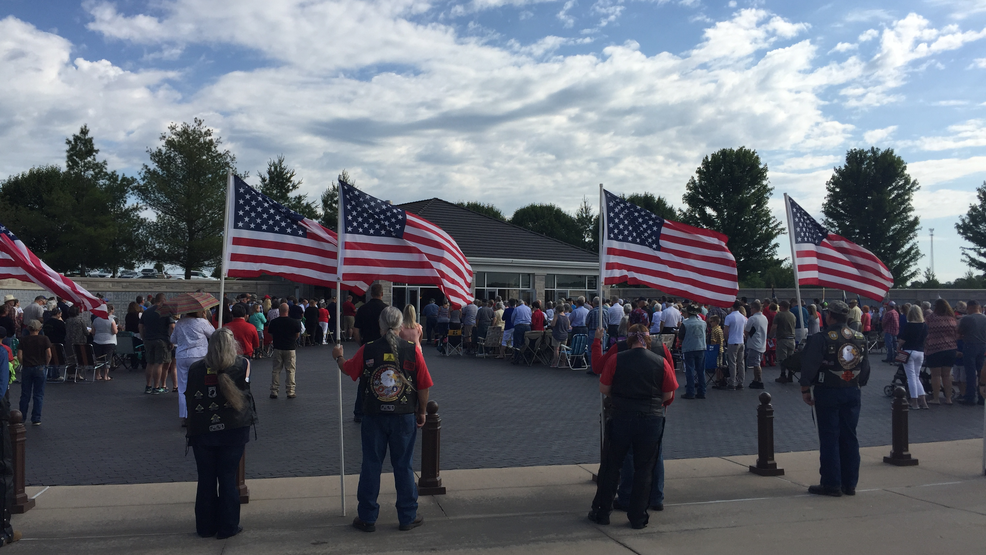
column 220, row 412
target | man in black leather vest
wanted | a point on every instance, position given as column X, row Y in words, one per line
column 834, row 362
column 638, row 385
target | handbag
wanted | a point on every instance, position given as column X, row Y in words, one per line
column 902, row 357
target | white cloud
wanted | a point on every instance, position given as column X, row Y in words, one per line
column 735, row 39
column 856, row 16
column 844, row 47
column 950, row 103
column 732, row 3
column 807, row 162
column 869, row 35
column 971, row 133
column 942, row 203
column 980, row 63
column 932, row 172
column 875, row 136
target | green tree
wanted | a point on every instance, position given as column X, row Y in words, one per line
column 26, row 204
column 280, row 182
column 548, row 219
column 654, row 204
column 330, row 201
column 729, row 194
column 185, row 185
column 588, row 224
column 869, row 201
column 972, row 228
column 484, row 208
column 929, row 281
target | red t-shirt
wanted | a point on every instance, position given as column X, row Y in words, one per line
column 537, row 320
column 422, row 379
column 348, row 309
column 670, row 383
column 323, row 315
column 245, row 334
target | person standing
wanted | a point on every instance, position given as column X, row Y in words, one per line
column 972, row 331
column 939, row 349
column 411, row 330
column 223, row 410
column 348, row 317
column 613, row 317
column 368, row 331
column 639, row 387
column 323, row 322
column 756, row 343
column 508, row 328
column 191, row 339
column 284, row 331
column 834, row 362
column 692, row 335
column 104, row 332
column 522, row 325
column 911, row 339
column 7, row 533
column 155, row 329
column 430, row 314
column 855, row 321
column 783, row 331
column 469, row 314
column 891, row 327
column 77, row 332
column 35, row 310
column 244, row 332
column 670, row 318
column 578, row 318
column 394, row 398
column 736, row 364
column 34, row 354
column 258, row 320
column 484, row 319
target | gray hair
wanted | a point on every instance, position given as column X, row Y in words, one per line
column 391, row 320
column 222, row 354
column 926, row 305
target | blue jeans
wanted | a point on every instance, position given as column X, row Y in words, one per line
column 625, row 430
column 657, row 480
column 890, row 340
column 519, row 331
column 217, row 513
column 358, row 406
column 33, row 380
column 838, row 412
column 972, row 359
column 380, row 431
column 695, row 372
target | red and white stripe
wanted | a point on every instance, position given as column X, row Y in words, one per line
column 18, row 262
column 842, row 264
column 693, row 263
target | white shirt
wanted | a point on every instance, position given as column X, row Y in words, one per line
column 655, row 326
column 670, row 317
column 615, row 314
column 735, row 322
column 756, row 328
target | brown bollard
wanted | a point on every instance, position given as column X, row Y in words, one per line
column 765, row 440
column 18, row 439
column 241, row 481
column 898, row 452
column 430, row 482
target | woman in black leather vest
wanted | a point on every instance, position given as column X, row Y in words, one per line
column 220, row 412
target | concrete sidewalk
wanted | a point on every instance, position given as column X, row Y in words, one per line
column 713, row 505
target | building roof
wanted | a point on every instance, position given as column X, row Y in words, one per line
column 480, row 236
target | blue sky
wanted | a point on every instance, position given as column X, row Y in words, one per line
column 514, row 101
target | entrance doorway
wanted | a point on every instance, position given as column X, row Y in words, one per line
column 407, row 295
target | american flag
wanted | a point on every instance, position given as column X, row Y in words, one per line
column 265, row 237
column 18, row 262
column 641, row 248
column 829, row 260
column 384, row 242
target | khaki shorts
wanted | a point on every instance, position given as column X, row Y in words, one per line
column 158, row 351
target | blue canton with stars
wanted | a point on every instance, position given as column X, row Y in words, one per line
column 253, row 211
column 806, row 229
column 366, row 215
column 628, row 223
column 8, row 233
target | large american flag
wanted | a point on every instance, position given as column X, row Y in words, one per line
column 267, row 238
column 18, row 262
column 641, row 248
column 383, row 242
column 828, row 260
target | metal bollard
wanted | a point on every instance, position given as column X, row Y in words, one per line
column 765, row 440
column 241, row 481
column 898, row 452
column 430, row 482
column 22, row 503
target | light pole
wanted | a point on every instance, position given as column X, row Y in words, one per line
column 932, row 230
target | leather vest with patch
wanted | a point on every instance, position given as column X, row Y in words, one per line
column 638, row 382
column 208, row 409
column 389, row 377
column 843, row 360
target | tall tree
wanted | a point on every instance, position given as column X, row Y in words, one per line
column 588, row 224
column 972, row 228
column 548, row 219
column 729, row 194
column 185, row 185
column 330, row 200
column 657, row 205
column 278, row 184
column 484, row 208
column 28, row 210
column 869, row 201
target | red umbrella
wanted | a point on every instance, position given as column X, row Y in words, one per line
column 190, row 302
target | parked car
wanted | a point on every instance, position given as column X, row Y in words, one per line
column 199, row 274
column 128, row 274
column 99, row 273
column 149, row 273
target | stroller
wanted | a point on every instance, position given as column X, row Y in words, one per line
column 900, row 378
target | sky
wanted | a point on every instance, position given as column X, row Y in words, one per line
column 514, row 101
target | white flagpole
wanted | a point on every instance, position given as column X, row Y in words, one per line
column 339, row 263
column 794, row 261
column 227, row 238
column 602, row 235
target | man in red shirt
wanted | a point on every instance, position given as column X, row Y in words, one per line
column 244, row 332
column 537, row 317
column 348, row 318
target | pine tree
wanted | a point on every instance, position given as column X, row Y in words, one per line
column 330, row 200
column 279, row 183
column 972, row 228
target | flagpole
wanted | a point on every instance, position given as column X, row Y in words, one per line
column 226, row 241
column 794, row 262
column 602, row 231
column 339, row 263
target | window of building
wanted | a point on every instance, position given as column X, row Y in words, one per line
column 559, row 286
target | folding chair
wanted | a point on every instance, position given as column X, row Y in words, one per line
column 546, row 352
column 490, row 343
column 126, row 350
column 532, row 346
column 711, row 363
column 57, row 363
column 576, row 352
column 85, row 357
column 874, row 342
column 454, row 345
